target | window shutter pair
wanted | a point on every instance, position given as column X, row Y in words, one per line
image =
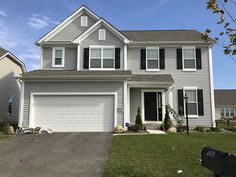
column 181, row 102
column 161, row 58
column 180, row 57
column 117, row 58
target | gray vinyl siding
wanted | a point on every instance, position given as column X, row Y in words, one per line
column 73, row 30
column 199, row 79
column 70, row 58
column 73, row 87
column 111, row 40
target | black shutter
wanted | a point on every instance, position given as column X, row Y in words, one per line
column 200, row 102
column 198, row 58
column 179, row 59
column 143, row 58
column 162, row 58
column 86, row 58
column 117, row 58
column 181, row 102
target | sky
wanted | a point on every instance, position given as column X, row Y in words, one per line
column 23, row 22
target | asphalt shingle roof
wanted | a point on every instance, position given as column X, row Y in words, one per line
column 152, row 78
column 225, row 97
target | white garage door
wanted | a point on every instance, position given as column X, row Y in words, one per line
column 74, row 113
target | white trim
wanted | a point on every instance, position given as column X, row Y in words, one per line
column 85, row 18
column 128, row 104
column 195, row 58
column 78, row 57
column 100, row 36
column 212, row 87
column 21, row 104
column 63, row 57
column 66, row 22
column 158, row 59
column 96, row 26
column 22, row 65
column 31, row 121
column 142, row 104
column 191, row 88
column 125, row 103
column 41, row 57
column 125, row 56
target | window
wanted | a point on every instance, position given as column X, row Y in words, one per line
column 102, row 58
column 58, row 57
column 189, row 58
column 227, row 112
column 152, row 58
column 84, row 21
column 191, row 93
column 101, row 34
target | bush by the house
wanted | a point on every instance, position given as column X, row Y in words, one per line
column 138, row 120
column 200, row 129
column 167, row 120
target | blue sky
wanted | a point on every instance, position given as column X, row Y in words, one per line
column 23, row 22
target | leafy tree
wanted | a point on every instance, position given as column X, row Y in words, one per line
column 226, row 38
column 138, row 120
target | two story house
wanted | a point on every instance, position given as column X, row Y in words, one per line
column 93, row 76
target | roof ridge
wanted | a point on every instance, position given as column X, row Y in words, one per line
column 139, row 30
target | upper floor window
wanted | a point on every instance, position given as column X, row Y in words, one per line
column 101, row 34
column 58, row 57
column 152, row 59
column 84, row 21
column 102, row 58
column 189, row 58
column 227, row 112
column 191, row 93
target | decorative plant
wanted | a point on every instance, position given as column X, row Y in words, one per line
column 167, row 120
column 138, row 120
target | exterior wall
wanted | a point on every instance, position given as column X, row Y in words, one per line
column 200, row 78
column 73, row 30
column 73, row 87
column 111, row 40
column 70, row 58
column 9, row 86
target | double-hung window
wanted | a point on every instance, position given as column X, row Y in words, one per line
column 189, row 58
column 152, row 59
column 58, row 57
column 191, row 93
column 227, row 112
column 84, row 21
column 102, row 58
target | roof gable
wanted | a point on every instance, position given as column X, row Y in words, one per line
column 66, row 22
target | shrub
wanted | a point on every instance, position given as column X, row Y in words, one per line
column 215, row 129
column 138, row 120
column 167, row 120
column 200, row 129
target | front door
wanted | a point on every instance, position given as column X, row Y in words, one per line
column 150, row 106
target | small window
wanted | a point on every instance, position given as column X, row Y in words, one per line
column 189, row 58
column 58, row 57
column 101, row 34
column 232, row 112
column 227, row 112
column 222, row 112
column 192, row 101
column 152, row 58
column 84, row 21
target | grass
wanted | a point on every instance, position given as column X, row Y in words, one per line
column 164, row 155
column 2, row 135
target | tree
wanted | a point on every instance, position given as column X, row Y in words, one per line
column 227, row 36
column 138, row 120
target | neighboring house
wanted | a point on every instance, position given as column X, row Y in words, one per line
column 10, row 66
column 93, row 76
column 225, row 104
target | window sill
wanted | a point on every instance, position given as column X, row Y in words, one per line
column 150, row 70
column 189, row 70
column 101, row 69
column 192, row 116
column 58, row 66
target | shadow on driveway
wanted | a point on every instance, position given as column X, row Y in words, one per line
column 54, row 155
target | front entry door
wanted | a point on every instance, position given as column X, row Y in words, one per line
column 150, row 106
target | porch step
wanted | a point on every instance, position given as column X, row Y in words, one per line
column 153, row 126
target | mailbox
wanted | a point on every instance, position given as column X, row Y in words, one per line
column 221, row 163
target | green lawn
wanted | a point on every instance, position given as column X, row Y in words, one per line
column 2, row 135
column 163, row 155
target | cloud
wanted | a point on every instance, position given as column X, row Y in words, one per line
column 157, row 5
column 37, row 21
column 3, row 13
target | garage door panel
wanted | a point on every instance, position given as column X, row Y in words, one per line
column 74, row 113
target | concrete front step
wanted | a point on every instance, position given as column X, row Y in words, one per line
column 152, row 126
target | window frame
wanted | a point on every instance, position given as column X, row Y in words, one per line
column 158, row 59
column 224, row 111
column 86, row 21
column 63, row 57
column 102, row 58
column 195, row 58
column 99, row 36
column 195, row 89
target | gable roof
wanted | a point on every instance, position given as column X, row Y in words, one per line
column 225, row 97
column 4, row 53
column 66, row 22
column 139, row 36
column 96, row 26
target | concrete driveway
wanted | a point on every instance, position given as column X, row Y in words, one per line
column 54, row 155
